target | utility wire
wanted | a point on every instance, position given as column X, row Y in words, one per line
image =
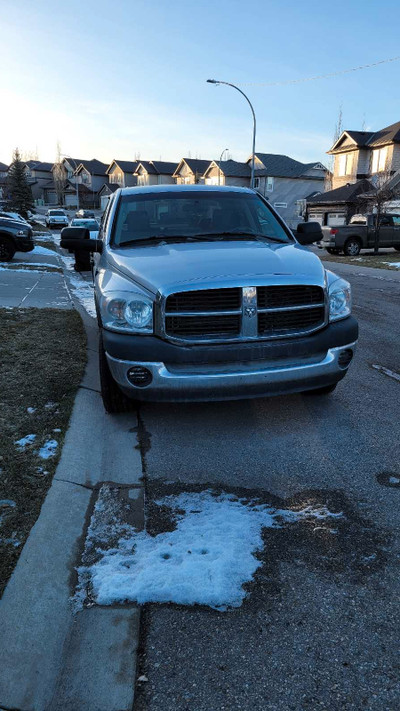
column 320, row 76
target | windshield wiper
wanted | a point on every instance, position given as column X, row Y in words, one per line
column 239, row 234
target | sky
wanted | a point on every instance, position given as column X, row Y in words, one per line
column 127, row 79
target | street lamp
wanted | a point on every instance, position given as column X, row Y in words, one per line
column 64, row 155
column 219, row 165
column 217, row 82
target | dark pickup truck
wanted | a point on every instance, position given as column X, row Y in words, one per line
column 15, row 236
column 360, row 234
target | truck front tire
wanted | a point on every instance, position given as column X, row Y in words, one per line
column 352, row 247
column 114, row 400
column 7, row 249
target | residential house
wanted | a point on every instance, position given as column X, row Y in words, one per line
column 190, row 171
column 40, row 178
column 155, row 172
column 91, row 176
column 336, row 207
column 227, row 172
column 3, row 179
column 362, row 160
column 105, row 193
column 287, row 183
column 121, row 173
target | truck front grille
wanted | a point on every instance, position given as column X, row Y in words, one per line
column 244, row 313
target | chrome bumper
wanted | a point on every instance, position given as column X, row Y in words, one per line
column 228, row 381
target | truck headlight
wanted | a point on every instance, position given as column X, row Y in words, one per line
column 339, row 299
column 132, row 312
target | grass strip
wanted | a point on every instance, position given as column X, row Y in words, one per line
column 43, row 355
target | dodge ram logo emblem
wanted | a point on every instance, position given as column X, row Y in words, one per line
column 250, row 311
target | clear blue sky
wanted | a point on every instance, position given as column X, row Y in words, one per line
column 114, row 79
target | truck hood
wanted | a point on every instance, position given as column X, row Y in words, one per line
column 166, row 267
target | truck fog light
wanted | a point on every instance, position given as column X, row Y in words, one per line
column 345, row 358
column 139, row 376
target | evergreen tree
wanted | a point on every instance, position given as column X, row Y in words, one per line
column 19, row 193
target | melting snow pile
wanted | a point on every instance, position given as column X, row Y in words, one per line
column 205, row 560
column 24, row 441
column 48, row 450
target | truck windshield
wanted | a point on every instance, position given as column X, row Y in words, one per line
column 179, row 215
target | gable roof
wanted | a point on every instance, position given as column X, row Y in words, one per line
column 346, row 193
column 196, row 165
column 390, row 134
column 231, row 168
column 108, row 187
column 281, row 166
column 369, row 139
column 39, row 165
column 3, row 167
column 127, row 166
column 94, row 166
column 157, row 167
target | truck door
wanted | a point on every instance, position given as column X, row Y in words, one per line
column 386, row 231
column 396, row 231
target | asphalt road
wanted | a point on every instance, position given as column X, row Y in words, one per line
column 320, row 626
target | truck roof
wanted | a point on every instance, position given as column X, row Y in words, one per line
column 169, row 188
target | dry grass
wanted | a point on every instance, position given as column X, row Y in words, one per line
column 365, row 259
column 42, row 355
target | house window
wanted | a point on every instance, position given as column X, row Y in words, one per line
column 379, row 157
column 344, row 164
column 85, row 177
column 279, row 205
column 301, row 206
column 141, row 179
column 256, row 183
column 270, row 185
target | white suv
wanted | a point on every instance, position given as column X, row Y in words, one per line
column 56, row 218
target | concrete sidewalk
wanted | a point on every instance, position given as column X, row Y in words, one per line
column 53, row 657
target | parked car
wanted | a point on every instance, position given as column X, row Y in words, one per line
column 56, row 218
column 360, row 234
column 203, row 293
column 85, row 213
column 13, row 216
column 15, row 236
column 91, row 225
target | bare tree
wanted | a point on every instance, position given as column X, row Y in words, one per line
column 59, row 175
column 336, row 135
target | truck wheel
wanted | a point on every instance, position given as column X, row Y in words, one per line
column 114, row 400
column 321, row 391
column 7, row 249
column 352, row 247
column 333, row 250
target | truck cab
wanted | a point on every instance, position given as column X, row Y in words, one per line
column 203, row 293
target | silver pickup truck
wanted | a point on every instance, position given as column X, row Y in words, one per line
column 360, row 234
column 203, row 293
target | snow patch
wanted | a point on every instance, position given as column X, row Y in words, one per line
column 393, row 264
column 24, row 441
column 44, row 250
column 206, row 560
column 31, row 410
column 48, row 450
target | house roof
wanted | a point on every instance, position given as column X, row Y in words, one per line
column 108, row 187
column 231, row 168
column 157, row 167
column 390, row 134
column 127, row 166
column 346, row 193
column 195, row 164
column 369, row 139
column 281, row 166
column 94, row 166
column 3, row 167
column 39, row 165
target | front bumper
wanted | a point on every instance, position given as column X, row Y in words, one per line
column 294, row 365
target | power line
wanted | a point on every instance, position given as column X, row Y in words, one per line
column 320, row 76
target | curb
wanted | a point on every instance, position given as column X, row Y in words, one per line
column 53, row 658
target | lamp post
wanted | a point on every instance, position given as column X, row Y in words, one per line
column 64, row 155
column 217, row 82
column 219, row 165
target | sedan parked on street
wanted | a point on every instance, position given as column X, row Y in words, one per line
column 91, row 225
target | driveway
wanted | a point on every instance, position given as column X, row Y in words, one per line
column 319, row 629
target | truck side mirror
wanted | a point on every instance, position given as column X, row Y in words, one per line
column 308, row 232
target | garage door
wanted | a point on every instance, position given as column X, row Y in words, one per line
column 336, row 218
column 316, row 217
column 70, row 200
